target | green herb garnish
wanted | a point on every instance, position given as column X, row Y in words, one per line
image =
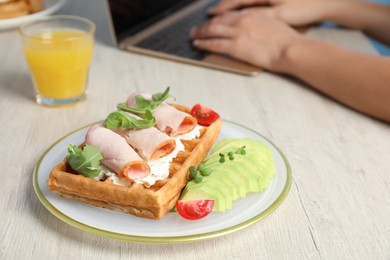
column 143, row 104
column 201, row 166
column 160, row 97
column 197, row 174
column 205, row 172
column 121, row 119
column 240, row 151
column 193, row 173
column 222, row 158
column 85, row 161
column 198, row 178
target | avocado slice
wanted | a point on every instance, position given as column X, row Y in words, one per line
column 231, row 174
column 226, row 174
column 205, row 191
column 239, row 173
column 223, row 186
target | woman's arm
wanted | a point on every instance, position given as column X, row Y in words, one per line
column 371, row 18
column 358, row 80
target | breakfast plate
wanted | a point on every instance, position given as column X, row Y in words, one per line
column 51, row 6
column 172, row 228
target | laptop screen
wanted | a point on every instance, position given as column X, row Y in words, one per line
column 131, row 16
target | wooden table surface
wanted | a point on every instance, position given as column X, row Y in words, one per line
column 339, row 203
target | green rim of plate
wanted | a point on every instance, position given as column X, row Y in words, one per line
column 162, row 239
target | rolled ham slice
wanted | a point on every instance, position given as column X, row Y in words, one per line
column 149, row 142
column 168, row 119
column 117, row 154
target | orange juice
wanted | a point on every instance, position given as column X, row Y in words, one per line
column 59, row 62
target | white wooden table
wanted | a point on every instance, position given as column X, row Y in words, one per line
column 339, row 203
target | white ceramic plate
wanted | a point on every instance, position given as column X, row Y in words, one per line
column 51, row 6
column 172, row 228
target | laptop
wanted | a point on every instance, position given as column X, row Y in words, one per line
column 161, row 28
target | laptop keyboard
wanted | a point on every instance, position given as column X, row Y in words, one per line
column 174, row 39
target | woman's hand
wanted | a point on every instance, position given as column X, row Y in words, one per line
column 246, row 35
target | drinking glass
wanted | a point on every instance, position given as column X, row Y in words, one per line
column 59, row 50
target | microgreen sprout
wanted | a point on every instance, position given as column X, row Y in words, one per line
column 205, row 172
column 193, row 173
column 201, row 167
column 240, row 151
column 231, row 156
column 222, row 159
column 198, row 178
column 197, row 174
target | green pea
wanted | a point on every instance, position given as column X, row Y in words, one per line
column 230, row 154
column 222, row 160
column 243, row 152
column 205, row 172
column 198, row 178
column 231, row 158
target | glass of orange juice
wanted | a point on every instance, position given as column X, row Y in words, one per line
column 58, row 51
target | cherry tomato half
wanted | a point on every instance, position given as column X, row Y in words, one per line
column 204, row 115
column 194, row 209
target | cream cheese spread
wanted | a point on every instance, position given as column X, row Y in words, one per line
column 159, row 169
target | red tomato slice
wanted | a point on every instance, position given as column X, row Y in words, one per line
column 204, row 115
column 194, row 209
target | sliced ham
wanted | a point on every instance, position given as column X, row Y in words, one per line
column 149, row 142
column 169, row 120
column 117, row 154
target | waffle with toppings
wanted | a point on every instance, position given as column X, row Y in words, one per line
column 129, row 194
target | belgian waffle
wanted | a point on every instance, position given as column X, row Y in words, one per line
column 153, row 202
